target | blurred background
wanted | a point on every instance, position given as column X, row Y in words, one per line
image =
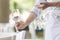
column 22, row 5
column 12, row 11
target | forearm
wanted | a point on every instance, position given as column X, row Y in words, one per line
column 54, row 4
column 31, row 17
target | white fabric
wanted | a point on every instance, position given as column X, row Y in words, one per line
column 52, row 23
column 20, row 35
column 52, row 26
column 36, row 11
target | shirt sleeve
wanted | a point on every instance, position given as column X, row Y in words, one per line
column 35, row 10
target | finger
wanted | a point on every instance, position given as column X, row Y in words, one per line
column 18, row 27
column 21, row 26
column 17, row 24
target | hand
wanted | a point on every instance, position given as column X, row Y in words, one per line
column 20, row 25
column 43, row 5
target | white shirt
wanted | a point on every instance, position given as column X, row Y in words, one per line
column 53, row 20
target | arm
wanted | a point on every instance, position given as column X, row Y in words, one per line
column 45, row 5
column 54, row 4
column 33, row 14
column 30, row 18
column 22, row 24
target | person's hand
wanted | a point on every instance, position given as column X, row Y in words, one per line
column 20, row 25
column 43, row 5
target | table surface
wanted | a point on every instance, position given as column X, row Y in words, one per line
column 3, row 34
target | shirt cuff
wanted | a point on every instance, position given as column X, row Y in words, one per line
column 36, row 11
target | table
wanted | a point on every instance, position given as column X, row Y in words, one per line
column 7, row 36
